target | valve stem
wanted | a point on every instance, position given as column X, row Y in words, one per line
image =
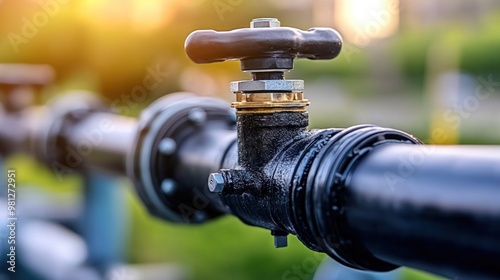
column 268, row 91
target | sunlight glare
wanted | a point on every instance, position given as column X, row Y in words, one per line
column 141, row 14
column 361, row 19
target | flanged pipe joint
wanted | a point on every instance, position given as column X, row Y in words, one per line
column 192, row 161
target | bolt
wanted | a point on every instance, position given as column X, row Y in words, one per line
column 216, row 182
column 168, row 186
column 167, row 146
column 197, row 116
column 265, row 22
column 280, row 238
column 280, row 241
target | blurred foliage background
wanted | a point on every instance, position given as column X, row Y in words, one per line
column 413, row 65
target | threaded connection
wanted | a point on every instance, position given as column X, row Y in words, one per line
column 270, row 102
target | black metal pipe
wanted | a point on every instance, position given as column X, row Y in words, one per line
column 362, row 195
column 429, row 207
column 14, row 132
column 101, row 141
column 68, row 138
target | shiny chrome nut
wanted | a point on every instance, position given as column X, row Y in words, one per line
column 265, row 22
column 267, row 85
column 197, row 116
column 167, row 146
column 168, row 186
column 216, row 182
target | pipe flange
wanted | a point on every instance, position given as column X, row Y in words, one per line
column 325, row 193
column 163, row 126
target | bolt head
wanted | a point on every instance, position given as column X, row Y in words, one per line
column 167, row 146
column 280, row 241
column 216, row 182
column 168, row 186
column 265, row 22
column 197, row 116
column 280, row 238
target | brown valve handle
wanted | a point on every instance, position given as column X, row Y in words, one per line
column 263, row 48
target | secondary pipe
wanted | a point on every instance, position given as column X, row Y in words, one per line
column 102, row 141
column 75, row 131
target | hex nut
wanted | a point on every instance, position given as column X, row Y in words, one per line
column 280, row 241
column 197, row 116
column 216, row 182
column 268, row 85
column 168, row 186
column 265, row 22
column 167, row 146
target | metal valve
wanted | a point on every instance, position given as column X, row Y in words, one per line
column 266, row 50
column 264, row 47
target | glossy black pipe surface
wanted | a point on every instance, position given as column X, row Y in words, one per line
column 101, row 141
column 430, row 207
